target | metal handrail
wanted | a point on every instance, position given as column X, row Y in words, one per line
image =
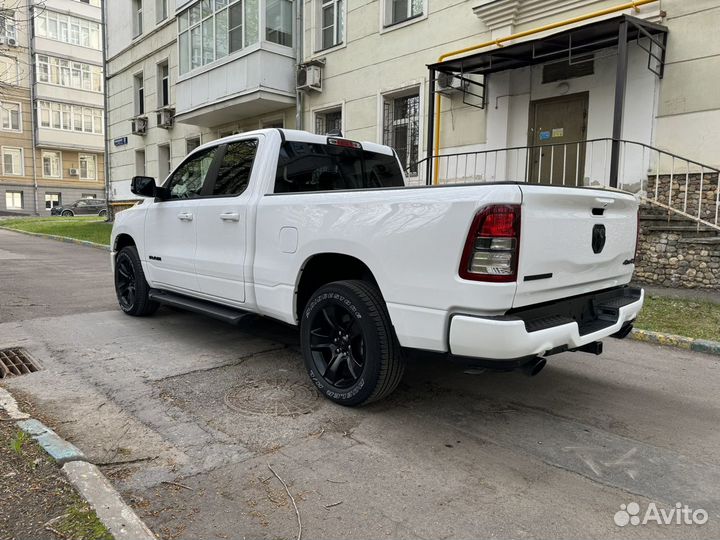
column 670, row 183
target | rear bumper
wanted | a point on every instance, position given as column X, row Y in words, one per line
column 545, row 329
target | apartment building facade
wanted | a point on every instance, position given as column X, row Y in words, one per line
column 374, row 57
column 53, row 133
column 184, row 72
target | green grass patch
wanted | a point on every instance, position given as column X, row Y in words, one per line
column 689, row 318
column 81, row 521
column 90, row 228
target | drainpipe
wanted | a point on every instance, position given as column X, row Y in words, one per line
column 299, row 34
column 33, row 123
column 106, row 109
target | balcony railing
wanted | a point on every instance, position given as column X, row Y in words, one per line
column 673, row 183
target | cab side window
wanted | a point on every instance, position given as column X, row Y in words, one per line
column 233, row 175
column 188, row 180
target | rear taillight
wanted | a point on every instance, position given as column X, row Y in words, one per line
column 493, row 244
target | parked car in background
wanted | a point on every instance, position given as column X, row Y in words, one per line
column 321, row 233
column 82, row 207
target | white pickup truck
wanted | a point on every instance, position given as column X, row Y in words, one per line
column 321, row 232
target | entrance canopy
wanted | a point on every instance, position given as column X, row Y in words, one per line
column 570, row 44
column 469, row 74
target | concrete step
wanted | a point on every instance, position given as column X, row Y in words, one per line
column 708, row 241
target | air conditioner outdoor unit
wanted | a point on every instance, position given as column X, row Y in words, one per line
column 166, row 118
column 12, row 42
column 139, row 125
column 309, row 78
column 449, row 84
column 74, row 172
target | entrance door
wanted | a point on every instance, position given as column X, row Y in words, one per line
column 558, row 126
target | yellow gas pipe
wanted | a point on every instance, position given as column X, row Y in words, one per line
column 622, row 7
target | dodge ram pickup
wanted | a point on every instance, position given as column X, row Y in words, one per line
column 322, row 233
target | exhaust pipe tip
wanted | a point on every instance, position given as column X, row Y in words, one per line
column 534, row 366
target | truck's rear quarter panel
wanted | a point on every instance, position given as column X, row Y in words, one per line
column 411, row 239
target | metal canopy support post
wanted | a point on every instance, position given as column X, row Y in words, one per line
column 620, row 86
column 430, row 127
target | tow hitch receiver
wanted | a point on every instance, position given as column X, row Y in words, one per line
column 596, row 348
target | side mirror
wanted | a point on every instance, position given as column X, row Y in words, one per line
column 143, row 186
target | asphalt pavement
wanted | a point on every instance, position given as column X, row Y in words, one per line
column 186, row 415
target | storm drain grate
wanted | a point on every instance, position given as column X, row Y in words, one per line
column 15, row 362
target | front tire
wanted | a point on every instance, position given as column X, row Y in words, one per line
column 67, row 213
column 102, row 213
column 349, row 345
column 131, row 287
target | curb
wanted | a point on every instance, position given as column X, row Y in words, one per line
column 59, row 238
column 680, row 342
column 121, row 521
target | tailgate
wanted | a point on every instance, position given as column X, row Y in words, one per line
column 562, row 252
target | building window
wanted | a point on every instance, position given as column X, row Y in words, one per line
column 95, row 3
column 332, row 23
column 164, row 163
column 191, row 144
column 71, row 74
column 137, row 17
column 328, row 121
column 11, row 117
column 9, row 72
column 211, row 30
column 88, row 196
column 140, row 162
column 163, row 77
column 8, row 27
column 401, row 128
column 139, row 85
column 67, row 29
column 14, row 200
column 52, row 164
column 397, row 11
column 279, row 22
column 273, row 123
column 12, row 161
column 88, row 166
column 52, row 200
column 161, row 10
column 70, row 117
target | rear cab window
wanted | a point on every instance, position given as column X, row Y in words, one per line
column 304, row 167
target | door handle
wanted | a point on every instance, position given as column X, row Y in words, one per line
column 230, row 216
column 185, row 216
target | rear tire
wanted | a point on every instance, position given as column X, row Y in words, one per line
column 349, row 345
column 131, row 287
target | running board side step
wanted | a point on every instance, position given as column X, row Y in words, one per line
column 210, row 309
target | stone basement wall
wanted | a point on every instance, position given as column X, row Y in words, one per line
column 680, row 186
column 682, row 259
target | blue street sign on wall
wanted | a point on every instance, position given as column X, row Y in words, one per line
column 120, row 141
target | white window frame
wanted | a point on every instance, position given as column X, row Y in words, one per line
column 53, row 194
column 137, row 18
column 386, row 24
column 159, row 76
column 161, row 10
column 22, row 161
column 139, row 93
column 329, row 108
column 22, row 200
column 4, row 111
column 59, row 174
column 8, row 23
column 404, row 89
column 268, row 121
column 60, row 71
column 339, row 33
column 10, row 73
column 89, row 117
column 68, row 29
column 93, row 158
